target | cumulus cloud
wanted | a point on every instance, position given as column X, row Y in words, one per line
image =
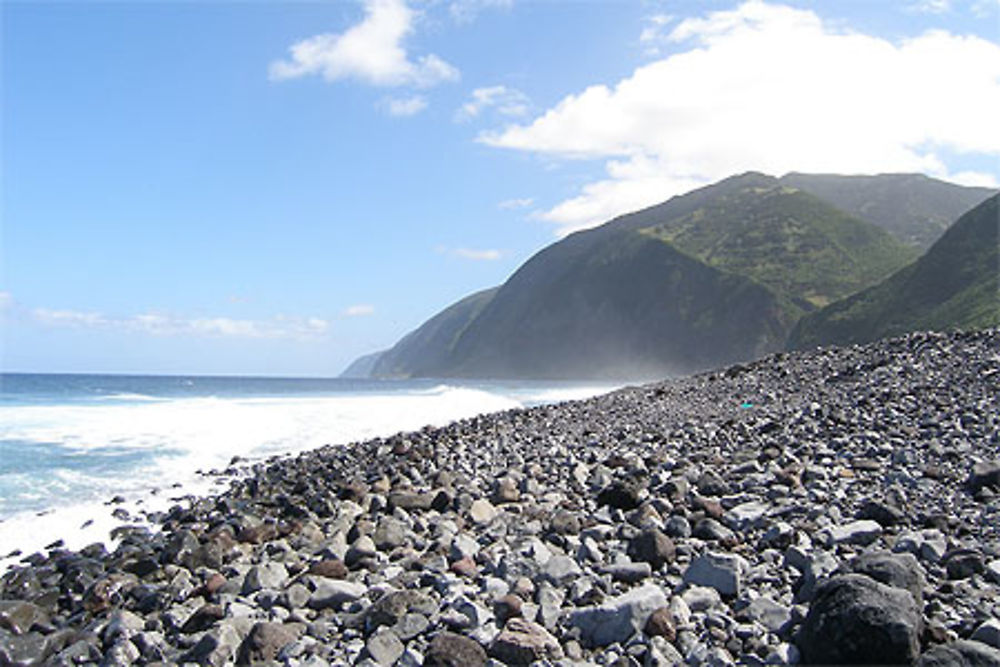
column 405, row 106
column 371, row 51
column 506, row 101
column 159, row 324
column 472, row 254
column 359, row 310
column 771, row 88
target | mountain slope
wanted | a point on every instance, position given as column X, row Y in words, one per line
column 423, row 351
column 801, row 247
column 914, row 208
column 954, row 285
column 636, row 308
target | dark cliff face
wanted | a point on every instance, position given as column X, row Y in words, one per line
column 712, row 277
column 953, row 286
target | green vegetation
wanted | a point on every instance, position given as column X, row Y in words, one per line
column 953, row 286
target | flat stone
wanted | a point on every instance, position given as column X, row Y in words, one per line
column 746, row 514
column 269, row 575
column 772, row 615
column 332, row 593
column 862, row 531
column 854, row 619
column 561, row 569
column 617, row 619
column 628, row 572
column 721, row 571
column 522, row 642
column 19, row 616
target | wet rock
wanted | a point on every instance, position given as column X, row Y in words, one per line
column 522, row 642
column 448, row 649
column 857, row 620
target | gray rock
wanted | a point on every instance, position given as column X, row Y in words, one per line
column 332, row 593
column 265, row 641
column 390, row 533
column 482, row 512
column 863, row 531
column 984, row 474
column 216, row 647
column 654, row 547
column 721, row 571
column 854, row 619
column 628, row 572
column 384, row 647
column 561, row 569
column 898, row 570
column 269, row 575
column 617, row 619
column 772, row 615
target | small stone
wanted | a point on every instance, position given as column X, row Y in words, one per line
column 617, row 619
column 561, row 569
column 721, row 571
column 772, row 615
column 863, row 532
column 712, row 484
column 265, row 641
column 661, row 624
column 565, row 522
column 390, row 534
column 331, row 568
column 522, row 642
column 629, row 573
column 19, row 616
column 384, row 647
column 963, row 563
column 507, row 607
column 268, row 575
column 203, row 618
column 332, row 593
column 984, row 474
column 482, row 512
column 993, row 571
column 621, row 495
column 464, row 567
column 506, row 491
column 448, row 649
column 652, row 546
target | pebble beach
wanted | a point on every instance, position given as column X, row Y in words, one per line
column 836, row 506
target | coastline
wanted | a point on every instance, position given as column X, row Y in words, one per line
column 702, row 518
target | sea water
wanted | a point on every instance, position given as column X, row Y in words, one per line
column 72, row 444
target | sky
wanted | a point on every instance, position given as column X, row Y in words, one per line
column 275, row 188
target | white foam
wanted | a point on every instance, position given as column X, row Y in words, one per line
column 177, row 438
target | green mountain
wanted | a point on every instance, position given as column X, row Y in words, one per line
column 914, row 208
column 712, row 277
column 802, row 248
column 953, row 286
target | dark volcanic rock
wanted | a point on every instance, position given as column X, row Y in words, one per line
column 623, row 495
column 898, row 570
column 653, row 547
column 448, row 649
column 962, row 653
column 856, row 620
column 265, row 641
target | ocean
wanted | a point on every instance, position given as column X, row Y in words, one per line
column 77, row 449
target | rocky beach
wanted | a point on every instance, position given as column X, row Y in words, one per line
column 836, row 506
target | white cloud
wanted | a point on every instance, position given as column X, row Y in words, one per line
column 931, row 6
column 405, row 106
column 507, row 101
column 371, row 51
column 158, row 324
column 473, row 254
column 975, row 179
column 770, row 88
column 510, row 204
column 6, row 300
column 359, row 310
column 464, row 11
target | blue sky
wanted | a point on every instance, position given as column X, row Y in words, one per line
column 277, row 187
